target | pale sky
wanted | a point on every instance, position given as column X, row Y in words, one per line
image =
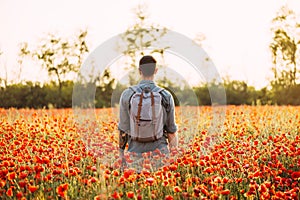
column 237, row 32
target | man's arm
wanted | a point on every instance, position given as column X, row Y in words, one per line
column 170, row 125
column 124, row 121
column 123, row 125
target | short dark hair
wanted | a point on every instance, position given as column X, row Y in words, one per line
column 147, row 65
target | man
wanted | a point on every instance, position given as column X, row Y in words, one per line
column 147, row 70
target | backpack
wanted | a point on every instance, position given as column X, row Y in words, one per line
column 146, row 114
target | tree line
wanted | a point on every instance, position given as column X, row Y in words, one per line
column 35, row 95
column 64, row 56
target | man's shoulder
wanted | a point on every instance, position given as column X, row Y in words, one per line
column 165, row 92
column 128, row 90
column 127, row 93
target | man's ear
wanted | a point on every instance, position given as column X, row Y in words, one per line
column 155, row 71
column 140, row 72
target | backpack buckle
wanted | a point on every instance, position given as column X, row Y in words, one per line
column 147, row 89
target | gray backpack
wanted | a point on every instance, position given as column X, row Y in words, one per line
column 146, row 114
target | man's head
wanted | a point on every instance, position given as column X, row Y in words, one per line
column 147, row 66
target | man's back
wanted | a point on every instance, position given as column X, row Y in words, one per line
column 147, row 70
column 168, row 118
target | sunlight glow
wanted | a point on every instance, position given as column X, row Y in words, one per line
column 237, row 33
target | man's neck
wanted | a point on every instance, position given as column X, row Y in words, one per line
column 150, row 78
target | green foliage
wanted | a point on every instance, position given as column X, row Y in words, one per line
column 287, row 96
column 285, row 53
column 285, row 48
column 139, row 38
column 106, row 94
column 60, row 56
column 35, row 95
column 94, row 93
column 105, row 90
column 202, row 93
column 28, row 95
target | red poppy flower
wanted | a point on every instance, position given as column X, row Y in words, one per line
column 295, row 175
column 173, row 167
column 93, row 180
column 22, row 175
column 225, row 192
column 9, row 192
column 128, row 172
column 130, row 195
column 22, row 184
column 11, row 176
column 169, row 197
column 177, row 189
column 61, row 190
column 116, row 195
column 19, row 195
column 32, row 189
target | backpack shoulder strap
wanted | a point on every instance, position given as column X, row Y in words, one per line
column 158, row 89
column 164, row 101
column 135, row 89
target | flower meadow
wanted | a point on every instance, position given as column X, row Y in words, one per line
column 46, row 154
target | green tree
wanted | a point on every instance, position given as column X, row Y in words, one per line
column 139, row 38
column 3, row 80
column 60, row 56
column 236, row 92
column 285, row 56
column 202, row 94
column 284, row 48
column 104, row 90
